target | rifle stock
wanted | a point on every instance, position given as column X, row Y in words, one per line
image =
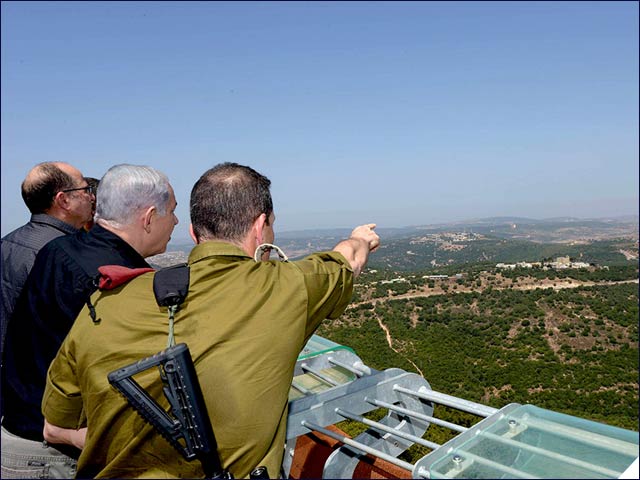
column 189, row 430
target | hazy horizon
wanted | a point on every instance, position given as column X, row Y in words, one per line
column 630, row 218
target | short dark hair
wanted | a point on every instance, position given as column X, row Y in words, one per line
column 226, row 200
column 38, row 192
column 92, row 182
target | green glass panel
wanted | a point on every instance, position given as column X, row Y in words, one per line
column 318, row 345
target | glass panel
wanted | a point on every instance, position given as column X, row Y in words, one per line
column 309, row 383
column 531, row 442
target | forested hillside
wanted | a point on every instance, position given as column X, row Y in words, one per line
column 425, row 252
column 572, row 350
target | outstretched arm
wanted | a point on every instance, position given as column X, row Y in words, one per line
column 358, row 246
column 69, row 436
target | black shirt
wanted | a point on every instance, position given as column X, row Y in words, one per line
column 60, row 283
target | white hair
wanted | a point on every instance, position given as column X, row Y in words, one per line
column 126, row 189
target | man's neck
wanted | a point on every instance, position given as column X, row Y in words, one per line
column 244, row 245
column 126, row 235
column 63, row 216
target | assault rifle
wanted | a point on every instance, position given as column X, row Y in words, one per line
column 188, row 430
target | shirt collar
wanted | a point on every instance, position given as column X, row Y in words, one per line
column 101, row 235
column 45, row 219
column 215, row 248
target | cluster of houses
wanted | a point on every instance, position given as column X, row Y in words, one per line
column 447, row 237
column 559, row 263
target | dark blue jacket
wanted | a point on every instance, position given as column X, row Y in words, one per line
column 19, row 250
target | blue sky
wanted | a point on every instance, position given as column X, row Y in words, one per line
column 400, row 113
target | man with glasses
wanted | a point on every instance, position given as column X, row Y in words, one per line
column 134, row 220
column 60, row 201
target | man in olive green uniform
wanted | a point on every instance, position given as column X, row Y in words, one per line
column 245, row 323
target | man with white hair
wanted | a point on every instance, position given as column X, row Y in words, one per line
column 134, row 220
column 60, row 201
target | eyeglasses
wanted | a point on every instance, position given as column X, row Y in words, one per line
column 91, row 190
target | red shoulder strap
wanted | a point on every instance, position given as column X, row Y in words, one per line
column 112, row 276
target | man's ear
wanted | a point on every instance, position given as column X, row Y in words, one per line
column 192, row 234
column 258, row 227
column 61, row 200
column 147, row 218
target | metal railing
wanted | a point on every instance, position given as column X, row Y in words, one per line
column 335, row 386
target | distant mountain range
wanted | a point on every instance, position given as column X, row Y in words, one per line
column 626, row 221
column 469, row 224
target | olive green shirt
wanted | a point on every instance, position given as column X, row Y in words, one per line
column 244, row 322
